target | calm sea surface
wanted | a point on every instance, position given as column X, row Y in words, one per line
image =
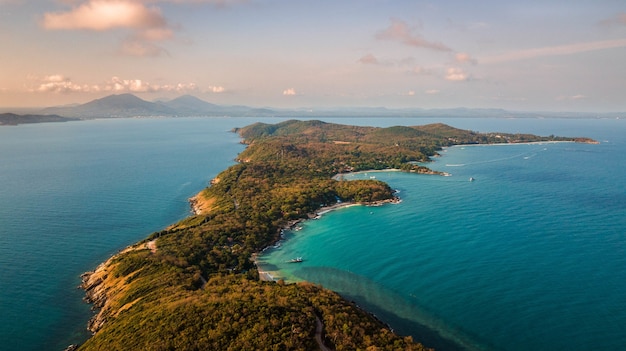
column 529, row 255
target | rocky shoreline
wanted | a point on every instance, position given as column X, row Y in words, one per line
column 99, row 286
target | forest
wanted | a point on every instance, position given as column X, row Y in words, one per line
column 194, row 285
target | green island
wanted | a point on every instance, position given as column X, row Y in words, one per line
column 195, row 286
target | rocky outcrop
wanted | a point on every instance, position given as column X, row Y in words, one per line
column 96, row 294
column 100, row 288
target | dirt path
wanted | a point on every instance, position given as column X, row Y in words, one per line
column 319, row 328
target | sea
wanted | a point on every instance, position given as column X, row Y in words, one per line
column 522, row 247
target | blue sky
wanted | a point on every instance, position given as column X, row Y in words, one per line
column 530, row 55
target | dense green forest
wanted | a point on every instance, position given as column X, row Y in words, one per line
column 194, row 286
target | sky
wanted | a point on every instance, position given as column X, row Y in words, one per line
column 523, row 55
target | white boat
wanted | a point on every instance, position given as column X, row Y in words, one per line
column 471, row 179
column 296, row 260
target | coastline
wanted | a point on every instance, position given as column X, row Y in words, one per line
column 581, row 141
column 97, row 287
column 428, row 335
column 265, row 275
column 202, row 204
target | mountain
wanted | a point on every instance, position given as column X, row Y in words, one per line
column 124, row 105
column 129, row 105
column 12, row 119
column 188, row 104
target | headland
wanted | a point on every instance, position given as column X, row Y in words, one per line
column 194, row 285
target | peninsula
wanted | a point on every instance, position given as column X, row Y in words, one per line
column 194, row 285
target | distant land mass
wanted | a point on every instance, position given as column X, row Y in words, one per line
column 12, row 119
column 129, row 105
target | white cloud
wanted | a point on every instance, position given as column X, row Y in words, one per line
column 400, row 31
column 290, row 92
column 456, row 74
column 57, row 83
column 147, row 24
column 105, row 14
column 559, row 50
column 119, row 85
column 60, row 84
column 216, row 89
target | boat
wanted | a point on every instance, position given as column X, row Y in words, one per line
column 296, row 260
column 471, row 179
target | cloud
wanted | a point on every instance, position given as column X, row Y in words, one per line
column 559, row 50
column 463, row 57
column 399, row 31
column 118, row 85
column 60, row 84
column 218, row 3
column 456, row 74
column 369, row 59
column 216, row 89
column 289, row 92
column 136, row 46
column 418, row 70
column 618, row 20
column 102, row 15
column 57, row 83
column 147, row 24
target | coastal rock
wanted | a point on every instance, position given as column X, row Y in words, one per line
column 200, row 204
column 99, row 286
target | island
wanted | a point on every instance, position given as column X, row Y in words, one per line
column 12, row 119
column 195, row 286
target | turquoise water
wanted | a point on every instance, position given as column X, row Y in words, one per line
column 531, row 254
column 74, row 193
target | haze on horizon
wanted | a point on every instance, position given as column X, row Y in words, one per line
column 527, row 55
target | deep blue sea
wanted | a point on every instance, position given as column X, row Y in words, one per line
column 530, row 255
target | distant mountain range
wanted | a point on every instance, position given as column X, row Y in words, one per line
column 128, row 105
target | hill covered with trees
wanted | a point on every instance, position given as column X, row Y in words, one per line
column 194, row 286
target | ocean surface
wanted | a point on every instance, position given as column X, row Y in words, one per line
column 529, row 255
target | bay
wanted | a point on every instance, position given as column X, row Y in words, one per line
column 529, row 255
